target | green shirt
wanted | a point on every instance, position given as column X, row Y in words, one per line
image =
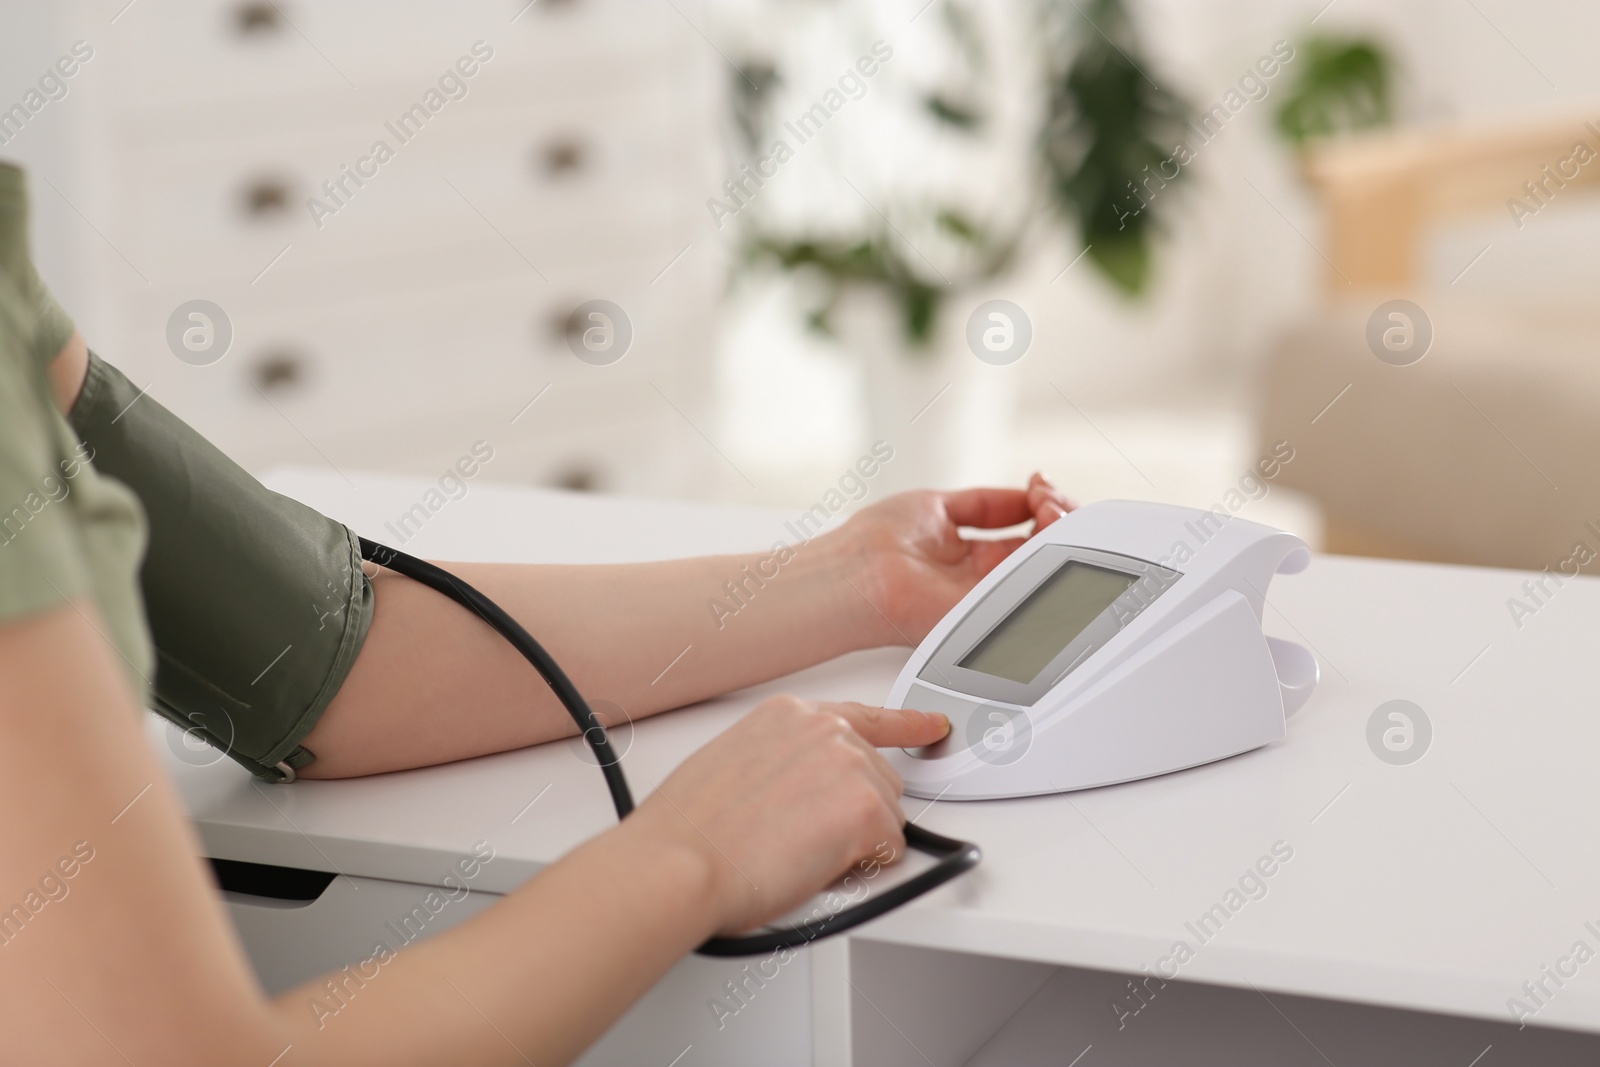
column 67, row 532
column 238, row 612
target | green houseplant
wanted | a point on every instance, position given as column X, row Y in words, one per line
column 1101, row 122
column 1343, row 85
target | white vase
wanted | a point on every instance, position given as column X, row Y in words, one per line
column 946, row 413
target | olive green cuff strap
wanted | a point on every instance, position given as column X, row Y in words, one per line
column 257, row 604
column 355, row 612
column 287, row 768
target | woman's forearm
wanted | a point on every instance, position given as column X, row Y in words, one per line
column 535, row 979
column 433, row 683
column 124, row 952
column 654, row 636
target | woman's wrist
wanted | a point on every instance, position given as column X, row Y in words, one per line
column 682, row 871
column 850, row 568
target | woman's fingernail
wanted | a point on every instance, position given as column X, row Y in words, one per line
column 942, row 719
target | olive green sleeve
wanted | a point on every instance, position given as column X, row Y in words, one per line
column 258, row 604
column 67, row 534
column 41, row 554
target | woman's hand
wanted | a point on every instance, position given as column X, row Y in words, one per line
column 914, row 563
column 786, row 801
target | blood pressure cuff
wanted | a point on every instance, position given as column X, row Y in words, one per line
column 257, row 604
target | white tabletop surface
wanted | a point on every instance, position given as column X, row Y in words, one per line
column 1440, row 885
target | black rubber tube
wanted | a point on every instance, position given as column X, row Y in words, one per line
column 955, row 856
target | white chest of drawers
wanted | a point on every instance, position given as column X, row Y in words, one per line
column 429, row 309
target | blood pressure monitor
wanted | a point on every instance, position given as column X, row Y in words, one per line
column 1121, row 642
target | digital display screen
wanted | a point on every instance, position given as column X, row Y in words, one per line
column 1037, row 629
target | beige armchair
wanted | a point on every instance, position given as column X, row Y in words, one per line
column 1485, row 450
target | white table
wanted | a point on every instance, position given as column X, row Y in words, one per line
column 1436, row 888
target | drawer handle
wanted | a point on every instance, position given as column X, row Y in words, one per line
column 278, row 372
column 563, row 157
column 579, row 477
column 556, row 324
column 257, row 19
column 266, row 197
column 266, row 880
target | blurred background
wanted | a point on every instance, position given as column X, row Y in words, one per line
column 1329, row 265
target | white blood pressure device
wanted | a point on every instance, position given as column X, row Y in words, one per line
column 1122, row 641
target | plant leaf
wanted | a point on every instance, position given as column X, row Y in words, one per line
column 1341, row 87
